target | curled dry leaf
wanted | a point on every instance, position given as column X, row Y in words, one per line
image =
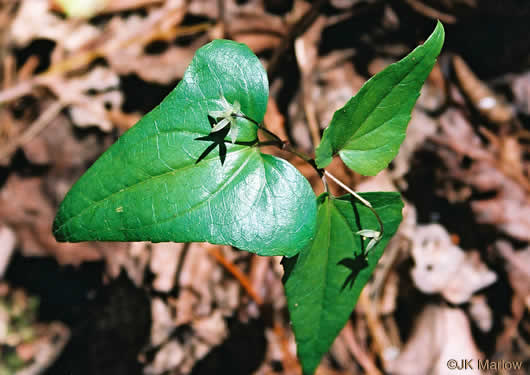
column 91, row 95
column 440, row 334
column 163, row 68
column 490, row 105
column 256, row 28
column 497, row 168
column 442, row 267
column 127, row 37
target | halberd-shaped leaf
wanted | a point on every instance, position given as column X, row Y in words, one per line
column 158, row 182
column 368, row 130
column 325, row 280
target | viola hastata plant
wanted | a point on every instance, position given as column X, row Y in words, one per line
column 192, row 170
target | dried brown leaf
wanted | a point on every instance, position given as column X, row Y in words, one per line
column 440, row 334
column 32, row 219
column 164, row 261
column 442, row 267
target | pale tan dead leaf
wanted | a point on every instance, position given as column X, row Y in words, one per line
column 227, row 296
column 440, row 334
column 420, row 128
column 380, row 182
column 31, row 219
column 7, row 245
column 91, row 95
column 163, row 323
column 69, row 34
column 481, row 312
column 211, row 329
column 164, row 261
column 185, row 306
column 119, row 256
column 162, row 68
column 199, row 273
column 497, row 167
column 256, row 28
column 521, row 92
column 489, row 104
column 58, row 146
column 442, row 267
column 338, row 82
column 124, row 48
column 169, row 357
column 510, row 215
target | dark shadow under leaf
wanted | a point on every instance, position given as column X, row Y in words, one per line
column 355, row 265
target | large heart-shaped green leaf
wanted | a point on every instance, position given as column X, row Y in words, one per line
column 149, row 186
column 325, row 280
column 368, row 130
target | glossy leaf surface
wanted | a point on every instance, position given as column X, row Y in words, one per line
column 325, row 280
column 367, row 132
column 158, row 182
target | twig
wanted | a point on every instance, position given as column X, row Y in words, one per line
column 363, row 201
column 357, row 352
column 291, row 365
column 391, row 254
column 306, row 52
column 34, row 129
column 298, row 29
column 282, row 145
column 430, row 12
column 237, row 273
column 381, row 341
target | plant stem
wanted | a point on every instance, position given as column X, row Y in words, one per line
column 277, row 141
column 361, row 199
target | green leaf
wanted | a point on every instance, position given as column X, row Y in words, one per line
column 149, row 187
column 368, row 130
column 325, row 280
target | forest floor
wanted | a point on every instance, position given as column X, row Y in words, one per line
column 455, row 279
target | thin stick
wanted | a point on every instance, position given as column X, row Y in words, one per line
column 295, row 31
column 237, row 273
column 357, row 351
column 430, row 12
column 361, row 199
column 34, row 129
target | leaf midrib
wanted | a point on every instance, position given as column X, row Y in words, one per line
column 372, row 110
column 150, row 179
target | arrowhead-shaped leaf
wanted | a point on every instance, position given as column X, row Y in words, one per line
column 149, row 186
column 325, row 280
column 368, row 130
